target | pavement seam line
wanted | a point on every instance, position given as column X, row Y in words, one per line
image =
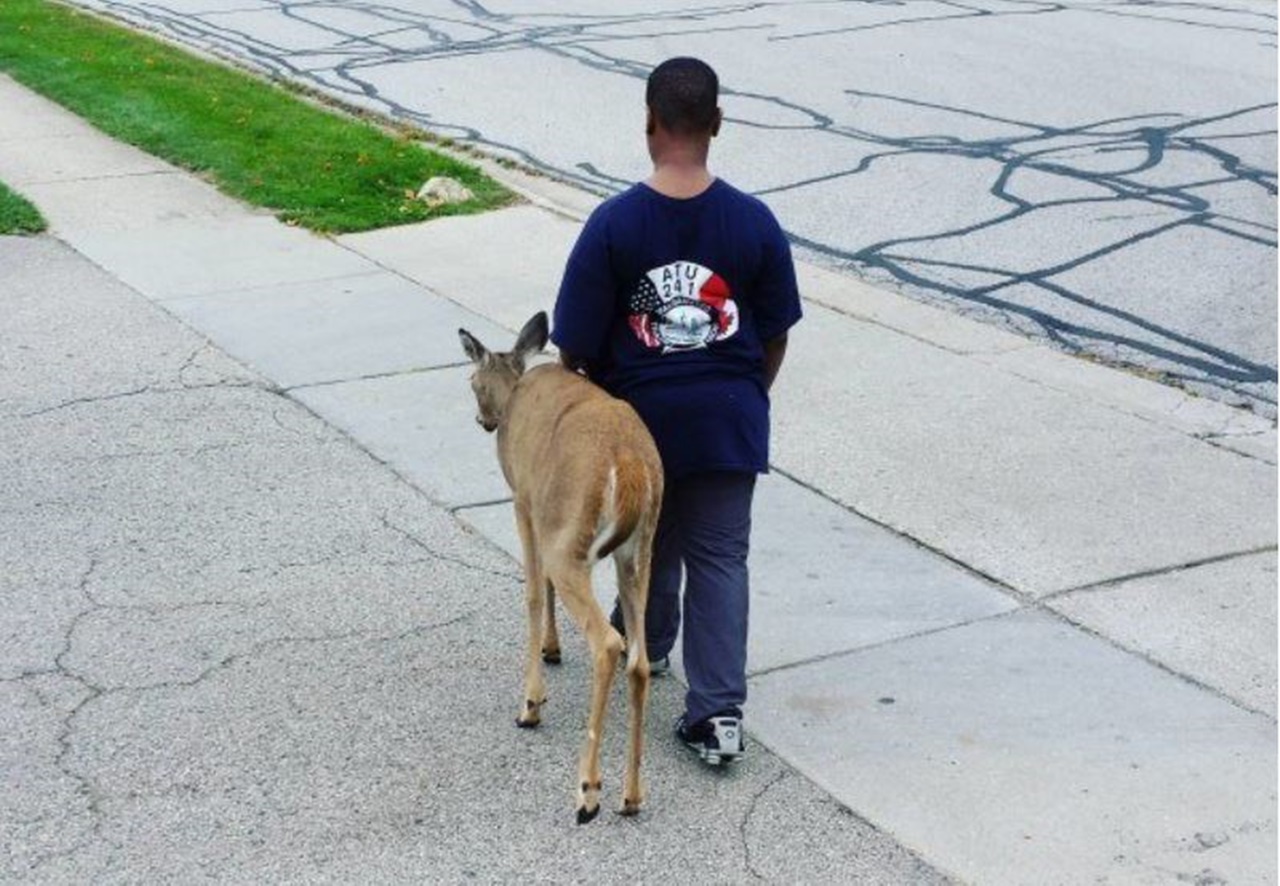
column 79, row 180
column 350, row 438
column 1145, row 657
column 400, row 475
column 373, row 376
column 896, row 330
column 262, row 287
column 1036, row 607
column 1214, row 440
column 440, row 555
column 1109, row 583
column 418, row 283
column 881, row 644
column 457, row 509
column 1021, row 596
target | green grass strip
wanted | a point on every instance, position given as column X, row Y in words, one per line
column 252, row 139
column 17, row 216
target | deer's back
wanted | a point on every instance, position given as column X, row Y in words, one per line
column 565, row 442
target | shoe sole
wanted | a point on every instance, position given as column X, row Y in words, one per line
column 714, row 757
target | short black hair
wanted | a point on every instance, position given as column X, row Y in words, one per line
column 683, row 95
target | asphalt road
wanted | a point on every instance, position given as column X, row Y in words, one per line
column 1099, row 174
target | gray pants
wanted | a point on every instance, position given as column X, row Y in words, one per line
column 704, row 532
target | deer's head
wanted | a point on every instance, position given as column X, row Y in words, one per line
column 496, row 374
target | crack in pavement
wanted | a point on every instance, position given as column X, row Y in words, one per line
column 228, row 661
column 93, row 691
column 85, row 786
column 145, row 390
column 181, row 451
column 77, row 401
column 746, row 822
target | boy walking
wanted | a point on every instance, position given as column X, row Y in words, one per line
column 677, row 297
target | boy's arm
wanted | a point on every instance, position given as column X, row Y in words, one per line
column 774, row 351
column 778, row 306
column 584, row 305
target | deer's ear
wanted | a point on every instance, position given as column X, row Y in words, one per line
column 533, row 338
column 476, row 351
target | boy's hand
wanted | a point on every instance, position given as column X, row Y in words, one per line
column 573, row 364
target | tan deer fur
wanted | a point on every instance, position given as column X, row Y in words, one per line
column 587, row 483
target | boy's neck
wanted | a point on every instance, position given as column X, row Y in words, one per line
column 680, row 180
column 679, row 162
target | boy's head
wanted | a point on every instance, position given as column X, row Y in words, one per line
column 682, row 95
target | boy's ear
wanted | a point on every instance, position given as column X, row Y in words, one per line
column 533, row 338
column 715, row 127
column 476, row 351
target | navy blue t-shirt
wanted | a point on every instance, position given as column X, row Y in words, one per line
column 670, row 302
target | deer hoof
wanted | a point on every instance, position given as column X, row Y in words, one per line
column 629, row 808
column 551, row 656
column 532, row 714
column 585, row 815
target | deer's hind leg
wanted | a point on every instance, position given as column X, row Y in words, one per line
column 573, row 583
column 535, row 689
column 551, row 636
column 632, row 561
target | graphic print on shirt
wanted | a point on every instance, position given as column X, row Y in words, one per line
column 681, row 306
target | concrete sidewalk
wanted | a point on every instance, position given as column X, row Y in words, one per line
column 1013, row 611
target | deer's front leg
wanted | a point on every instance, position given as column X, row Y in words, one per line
column 535, row 690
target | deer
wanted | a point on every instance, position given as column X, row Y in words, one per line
column 586, row 482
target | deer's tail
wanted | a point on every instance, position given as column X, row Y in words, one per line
column 631, row 491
